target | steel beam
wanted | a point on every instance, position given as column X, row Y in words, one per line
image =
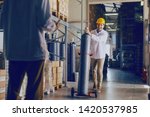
column 111, row 1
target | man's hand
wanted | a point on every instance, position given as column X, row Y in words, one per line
column 87, row 31
column 57, row 25
column 51, row 26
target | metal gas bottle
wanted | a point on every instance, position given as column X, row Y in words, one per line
column 83, row 80
column 62, row 51
column 71, row 61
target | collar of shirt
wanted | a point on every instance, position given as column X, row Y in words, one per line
column 98, row 33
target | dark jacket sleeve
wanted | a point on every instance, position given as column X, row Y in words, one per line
column 2, row 13
column 43, row 15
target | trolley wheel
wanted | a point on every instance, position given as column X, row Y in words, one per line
column 72, row 92
column 95, row 93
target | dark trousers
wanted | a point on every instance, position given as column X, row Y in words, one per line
column 34, row 71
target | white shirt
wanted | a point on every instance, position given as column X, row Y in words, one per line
column 98, row 44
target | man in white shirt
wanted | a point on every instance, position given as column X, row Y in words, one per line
column 98, row 50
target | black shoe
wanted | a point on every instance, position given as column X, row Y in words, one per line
column 94, row 87
column 46, row 93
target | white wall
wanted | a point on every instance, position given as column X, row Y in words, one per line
column 75, row 12
column 74, row 18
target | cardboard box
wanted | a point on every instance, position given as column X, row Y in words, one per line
column 2, row 72
column 61, row 63
column 2, row 84
column 59, row 77
column 2, row 93
column 2, row 96
column 53, row 4
column 55, row 63
column 63, row 7
column 54, row 79
column 59, row 69
column 53, row 70
column 2, row 78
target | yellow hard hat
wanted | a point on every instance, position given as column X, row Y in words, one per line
column 100, row 21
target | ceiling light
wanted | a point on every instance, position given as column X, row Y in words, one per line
column 109, row 23
column 110, row 14
column 142, row 3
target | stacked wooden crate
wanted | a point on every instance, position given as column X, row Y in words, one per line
column 54, row 7
column 59, row 8
column 63, row 9
column 57, row 73
column 2, row 84
column 54, row 65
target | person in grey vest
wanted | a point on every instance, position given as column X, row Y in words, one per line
column 24, row 22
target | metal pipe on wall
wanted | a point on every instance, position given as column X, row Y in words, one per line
column 66, row 55
column 148, row 44
column 111, row 1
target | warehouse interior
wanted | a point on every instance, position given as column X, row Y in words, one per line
column 127, row 63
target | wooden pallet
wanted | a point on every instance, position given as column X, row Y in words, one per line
column 54, row 13
column 65, row 18
column 62, row 17
column 58, row 86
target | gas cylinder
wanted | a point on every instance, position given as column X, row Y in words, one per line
column 71, row 61
column 84, row 65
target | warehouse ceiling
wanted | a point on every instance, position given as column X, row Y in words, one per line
column 111, row 1
column 111, row 15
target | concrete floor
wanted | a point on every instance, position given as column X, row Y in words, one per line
column 118, row 85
